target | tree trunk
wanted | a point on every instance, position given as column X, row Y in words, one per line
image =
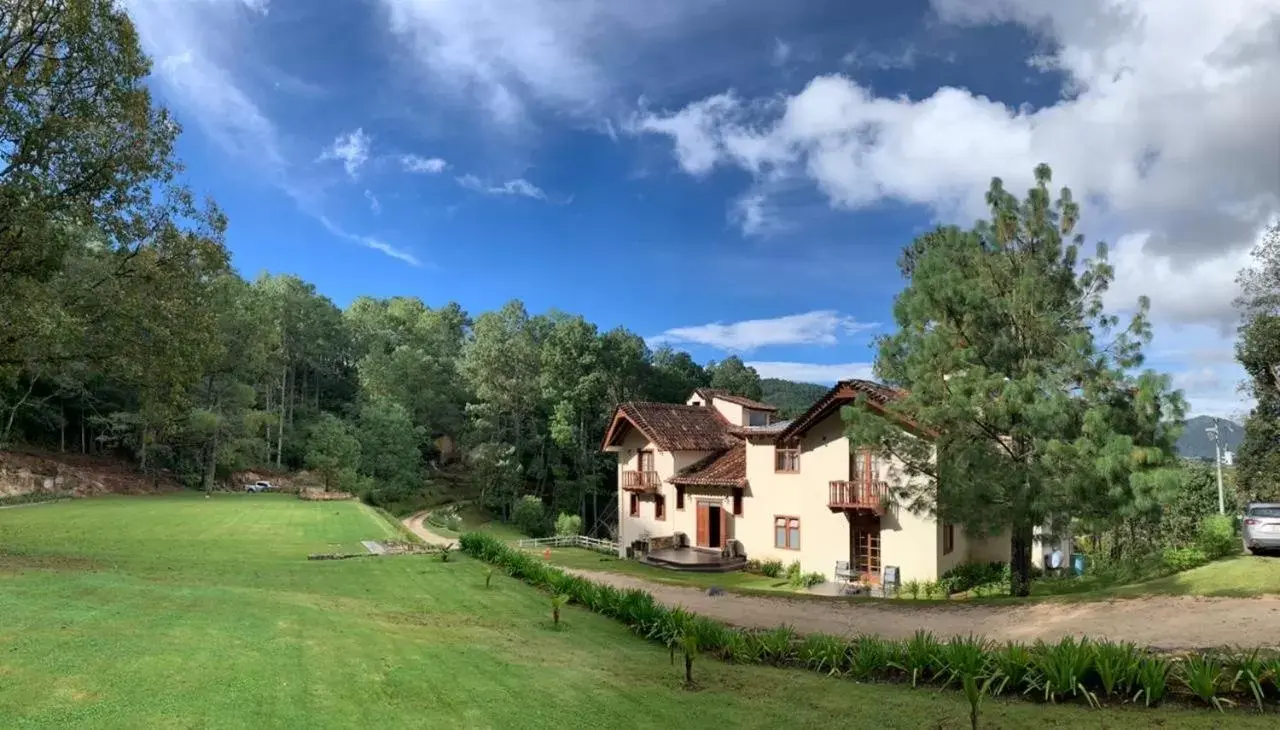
column 1020, row 560
column 84, row 447
column 284, row 375
column 62, row 427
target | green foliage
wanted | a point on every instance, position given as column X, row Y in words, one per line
column 912, row 588
column 932, row 589
column 1203, row 676
column 967, row 576
column 1217, row 537
column 1258, row 350
column 793, row 572
column 558, row 601
column 388, row 450
column 736, row 377
column 1184, row 558
column 334, row 451
column 1079, row 669
column 1034, row 421
column 771, row 568
column 530, row 516
column 790, row 397
column 567, row 524
column 487, row 572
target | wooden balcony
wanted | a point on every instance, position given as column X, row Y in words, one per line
column 868, row 495
column 641, row 481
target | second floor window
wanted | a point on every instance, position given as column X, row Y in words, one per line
column 737, row 501
column 786, row 457
column 645, row 461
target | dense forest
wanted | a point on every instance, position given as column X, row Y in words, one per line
column 127, row 331
column 790, row 397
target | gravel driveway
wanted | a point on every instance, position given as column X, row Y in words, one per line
column 1161, row 622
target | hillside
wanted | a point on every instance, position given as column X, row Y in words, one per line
column 1195, row 443
column 790, row 397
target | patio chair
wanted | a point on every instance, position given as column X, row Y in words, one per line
column 843, row 571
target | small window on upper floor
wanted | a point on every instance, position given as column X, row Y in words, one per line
column 786, row 457
column 757, row 418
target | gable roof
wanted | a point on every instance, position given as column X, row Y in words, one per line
column 843, row 393
column 724, row 469
column 745, row 402
column 673, row 427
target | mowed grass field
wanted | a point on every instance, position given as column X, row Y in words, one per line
column 176, row 612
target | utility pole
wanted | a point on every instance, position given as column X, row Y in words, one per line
column 1216, row 436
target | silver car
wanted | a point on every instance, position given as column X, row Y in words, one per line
column 1262, row 527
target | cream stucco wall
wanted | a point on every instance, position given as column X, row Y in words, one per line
column 646, row 524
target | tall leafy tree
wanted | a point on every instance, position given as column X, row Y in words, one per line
column 389, row 452
column 675, row 376
column 735, row 376
column 1021, row 404
column 1258, row 350
column 333, row 450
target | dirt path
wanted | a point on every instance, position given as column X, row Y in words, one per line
column 1162, row 622
column 418, row 526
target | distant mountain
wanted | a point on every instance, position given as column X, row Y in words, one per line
column 790, row 397
column 1196, row 444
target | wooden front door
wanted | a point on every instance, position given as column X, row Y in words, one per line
column 704, row 523
column 713, row 525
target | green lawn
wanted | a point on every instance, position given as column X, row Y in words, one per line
column 182, row 612
column 1241, row 576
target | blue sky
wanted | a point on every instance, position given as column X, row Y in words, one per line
column 730, row 177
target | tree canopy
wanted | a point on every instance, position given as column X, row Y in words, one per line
column 1022, row 402
column 1258, row 350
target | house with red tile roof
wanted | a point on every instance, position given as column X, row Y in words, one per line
column 716, row 480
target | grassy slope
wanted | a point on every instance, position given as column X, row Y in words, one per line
column 1242, row 576
column 186, row 612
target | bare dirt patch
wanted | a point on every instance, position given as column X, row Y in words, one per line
column 1161, row 622
column 417, row 525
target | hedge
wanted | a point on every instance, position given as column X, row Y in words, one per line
column 1082, row 670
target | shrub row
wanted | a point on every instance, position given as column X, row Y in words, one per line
column 1081, row 670
column 794, row 575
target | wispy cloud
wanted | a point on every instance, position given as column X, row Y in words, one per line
column 374, row 205
column 518, row 187
column 426, row 165
column 199, row 82
column 781, row 52
column 822, row 327
column 806, row 372
column 875, row 58
column 369, row 242
column 351, row 148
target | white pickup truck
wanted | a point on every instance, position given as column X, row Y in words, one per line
column 259, row 487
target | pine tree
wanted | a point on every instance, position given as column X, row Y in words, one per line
column 1033, row 420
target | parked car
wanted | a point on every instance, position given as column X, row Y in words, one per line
column 1262, row 527
column 268, row 486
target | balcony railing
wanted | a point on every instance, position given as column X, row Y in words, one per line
column 641, row 481
column 865, row 494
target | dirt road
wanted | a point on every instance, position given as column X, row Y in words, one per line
column 1161, row 622
column 418, row 526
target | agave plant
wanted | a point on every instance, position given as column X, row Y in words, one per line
column 919, row 657
column 557, row 602
column 1061, row 669
column 1117, row 666
column 1012, row 666
column 777, row 646
column 967, row 661
column 869, row 657
column 1202, row 674
column 444, row 552
column 1153, row 680
column 741, row 647
column 823, row 653
column 1250, row 669
column 689, row 646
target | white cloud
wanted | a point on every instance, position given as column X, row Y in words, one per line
column 781, row 52
column 508, row 54
column 351, row 148
column 518, row 187
column 427, row 165
column 805, row 372
column 1168, row 131
column 811, row 328
column 369, row 242
column 865, row 56
column 1182, row 290
column 374, row 205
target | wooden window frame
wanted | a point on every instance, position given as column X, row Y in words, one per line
column 640, row 454
column 659, row 508
column 680, row 497
column 633, row 505
column 792, row 449
column 948, row 538
column 737, row 501
column 786, row 521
